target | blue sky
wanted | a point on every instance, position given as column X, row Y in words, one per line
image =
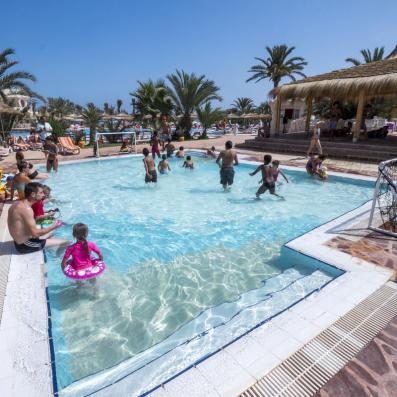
column 97, row 50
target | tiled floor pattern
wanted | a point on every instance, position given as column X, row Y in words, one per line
column 307, row 370
column 381, row 251
column 372, row 373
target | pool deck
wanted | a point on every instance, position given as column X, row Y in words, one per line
column 26, row 360
column 354, row 167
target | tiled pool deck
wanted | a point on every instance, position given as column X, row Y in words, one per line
column 373, row 372
column 26, row 360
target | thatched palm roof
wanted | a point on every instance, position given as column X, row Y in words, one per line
column 375, row 78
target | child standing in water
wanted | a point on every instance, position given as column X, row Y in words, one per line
column 211, row 152
column 163, row 165
column 267, row 182
column 170, row 148
column 188, row 163
column 276, row 171
column 150, row 167
column 81, row 251
column 181, row 152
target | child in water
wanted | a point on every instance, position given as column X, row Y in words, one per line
column 181, row 152
column 163, row 165
column 40, row 215
column 188, row 163
column 211, row 152
column 170, row 148
column 150, row 167
column 267, row 181
column 81, row 251
column 276, row 171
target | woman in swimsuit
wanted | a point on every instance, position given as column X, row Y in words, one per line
column 33, row 173
column 315, row 141
column 20, row 180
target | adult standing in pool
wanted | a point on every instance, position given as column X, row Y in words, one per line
column 226, row 160
column 52, row 154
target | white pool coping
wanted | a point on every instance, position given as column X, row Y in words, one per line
column 26, row 360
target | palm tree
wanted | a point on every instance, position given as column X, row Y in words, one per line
column 105, row 107
column 376, row 55
column 189, row 92
column 118, row 104
column 277, row 65
column 151, row 98
column 208, row 116
column 264, row 108
column 14, row 80
column 59, row 107
column 243, row 105
column 33, row 104
column 92, row 115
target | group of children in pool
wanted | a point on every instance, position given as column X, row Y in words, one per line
column 163, row 166
column 78, row 262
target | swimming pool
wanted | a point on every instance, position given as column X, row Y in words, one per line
column 190, row 267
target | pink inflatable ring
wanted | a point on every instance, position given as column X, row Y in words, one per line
column 93, row 271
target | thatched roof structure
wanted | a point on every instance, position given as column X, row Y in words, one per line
column 372, row 79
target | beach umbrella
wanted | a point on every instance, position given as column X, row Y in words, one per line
column 147, row 117
column 106, row 116
column 233, row 116
column 6, row 109
column 251, row 116
column 72, row 116
column 123, row 116
column 265, row 116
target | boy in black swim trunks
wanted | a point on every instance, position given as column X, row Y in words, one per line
column 150, row 167
column 267, row 177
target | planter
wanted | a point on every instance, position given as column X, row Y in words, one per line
column 181, row 139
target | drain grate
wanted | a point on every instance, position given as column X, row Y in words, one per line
column 308, row 369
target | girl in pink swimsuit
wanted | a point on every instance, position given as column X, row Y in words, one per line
column 80, row 252
column 276, row 171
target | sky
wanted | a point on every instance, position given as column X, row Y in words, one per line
column 95, row 51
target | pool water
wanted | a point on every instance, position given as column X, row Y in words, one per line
column 190, row 267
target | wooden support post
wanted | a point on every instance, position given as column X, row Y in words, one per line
column 278, row 112
column 309, row 109
column 359, row 116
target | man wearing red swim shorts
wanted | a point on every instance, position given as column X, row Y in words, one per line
column 155, row 145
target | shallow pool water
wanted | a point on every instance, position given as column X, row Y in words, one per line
column 190, row 267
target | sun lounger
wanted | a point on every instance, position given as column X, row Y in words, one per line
column 4, row 152
column 16, row 147
column 66, row 145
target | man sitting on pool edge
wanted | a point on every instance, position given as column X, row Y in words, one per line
column 22, row 225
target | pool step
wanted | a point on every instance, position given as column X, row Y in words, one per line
column 307, row 370
column 201, row 337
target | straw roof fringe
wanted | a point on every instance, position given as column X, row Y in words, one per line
column 374, row 79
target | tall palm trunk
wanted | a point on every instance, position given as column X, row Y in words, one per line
column 92, row 134
column 186, row 124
